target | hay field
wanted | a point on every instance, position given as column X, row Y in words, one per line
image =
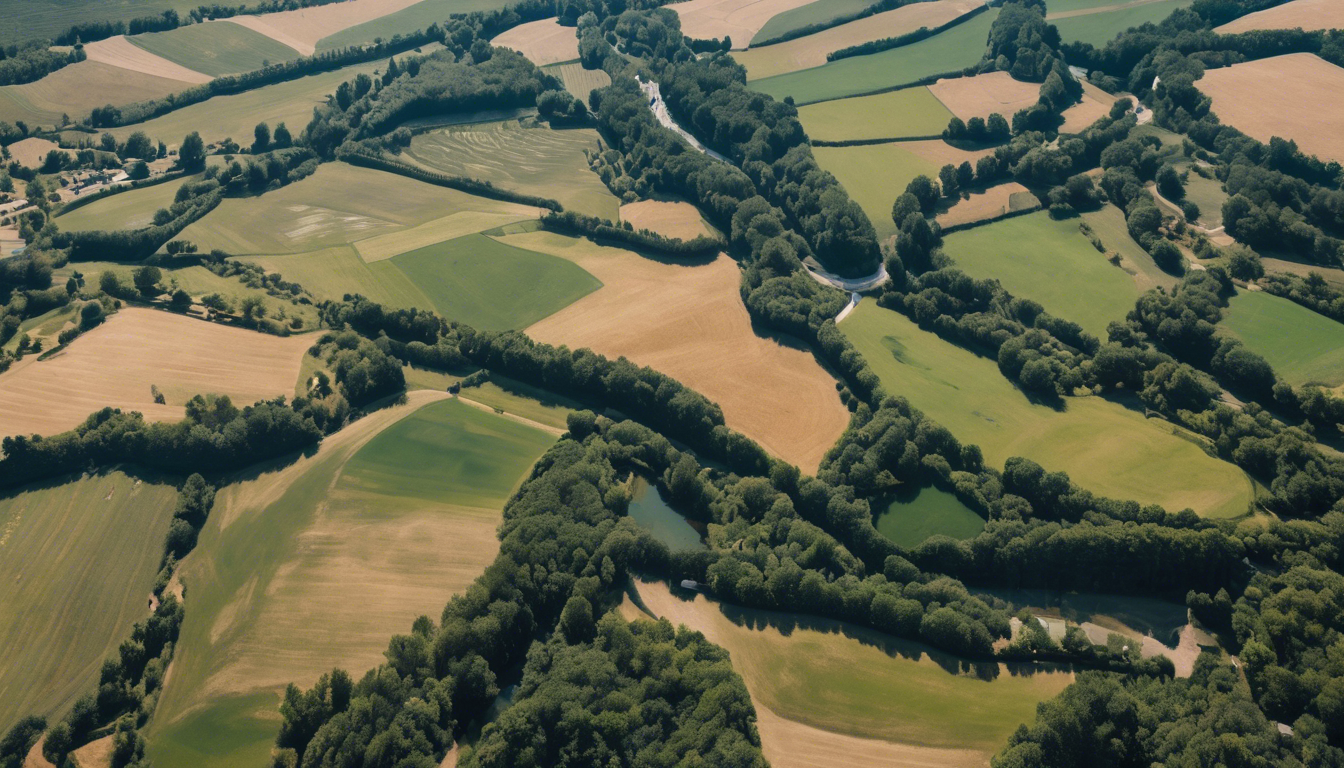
column 22, row 20
column 301, row 29
column 215, row 48
column 953, row 50
column 875, row 175
column 811, row 50
column 120, row 52
column 1304, row 14
column 1108, row 223
column 689, row 323
column 1050, row 262
column 738, row 19
column 579, row 81
column 131, row 209
column 854, row 681
column 1303, row 346
column 680, row 220
column 543, row 42
column 1095, row 105
column 331, row 273
column 32, row 151
column 1088, row 21
column 892, row 115
column 982, row 95
column 1280, row 96
column 78, row 561
column 991, row 203
column 317, row 563
column 915, row 515
column 1105, row 448
column 536, row 161
column 815, row 12
column 115, row 364
column 78, row 89
column 405, row 20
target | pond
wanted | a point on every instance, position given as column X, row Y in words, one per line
column 915, row 514
column 652, row 512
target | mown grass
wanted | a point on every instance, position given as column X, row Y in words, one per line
column 912, row 517
column 131, row 209
column 78, row 561
column 898, row 114
column 874, row 176
column 1106, row 448
column 1100, row 27
column 406, row 21
column 1302, row 345
column 1051, row 262
column 951, row 51
column 816, row 12
column 216, row 48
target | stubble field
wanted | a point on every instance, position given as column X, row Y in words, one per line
column 1280, row 96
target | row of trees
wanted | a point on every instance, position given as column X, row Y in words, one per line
column 34, row 62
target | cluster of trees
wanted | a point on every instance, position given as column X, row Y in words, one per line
column 1271, row 209
column 1311, row 291
column 270, row 170
column 364, row 371
column 217, row 11
column 90, row 31
column 978, row 129
column 34, row 62
column 624, row 233
column 560, row 108
column 194, row 501
column 192, row 201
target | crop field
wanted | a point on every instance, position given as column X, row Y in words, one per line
column 897, row 114
column 131, row 209
column 403, row 21
column 1087, row 21
column 738, row 19
column 679, row 220
column 815, row 12
column 116, row 363
column 120, row 52
column 216, row 48
column 536, row 161
column 78, row 560
column 771, row 390
column 316, row 564
column 950, row 51
column 1304, row 14
column 543, row 42
column 1094, row 105
column 811, row 50
column 1108, row 223
column 1303, row 346
column 1048, row 261
column 991, row 203
column 331, row 273
column 579, row 81
column 874, row 176
column 916, row 515
column 983, row 95
column 31, row 152
column 22, row 20
column 1104, row 447
column 1277, row 97
column 301, row 29
column 77, row 89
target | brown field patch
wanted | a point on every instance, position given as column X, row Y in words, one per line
column 122, row 53
column 739, row 19
column 115, row 364
column 811, row 50
column 32, row 151
column 542, row 42
column 940, row 153
column 1282, row 96
column 680, row 220
column 1095, row 105
column 1306, row 14
column 79, row 88
column 979, row 206
column 306, row 26
column 689, row 323
column 788, row 744
column 95, row 754
column 982, row 95
column 261, row 26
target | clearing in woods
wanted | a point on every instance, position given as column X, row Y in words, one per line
column 874, row 176
column 78, row 89
column 131, row 209
column 408, row 19
column 543, row 42
column 893, row 115
column 32, row 151
column 1303, row 346
column 116, row 363
column 78, row 560
column 1103, row 446
column 811, row 50
column 944, row 53
column 738, row 19
column 689, row 323
column 1096, row 22
column 918, row 513
column 317, row 563
column 814, row 13
column 991, row 203
column 1303, row 14
column 578, row 81
column 1095, row 105
column 677, row 220
column 216, row 48
column 1108, row 225
column 1280, row 96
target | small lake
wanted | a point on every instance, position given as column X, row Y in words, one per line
column 652, row 512
column 915, row 514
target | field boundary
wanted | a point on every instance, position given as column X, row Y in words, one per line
column 120, row 187
column 923, row 81
column 909, row 38
column 870, row 142
column 983, row 222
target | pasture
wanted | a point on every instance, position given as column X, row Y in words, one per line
column 874, row 176
column 543, row 42
column 1090, row 21
column 579, row 81
column 1108, row 224
column 331, row 273
column 216, row 48
column 738, row 19
column 32, row 151
column 78, row 560
column 1209, row 195
column 679, row 220
column 1303, row 14
column 1303, row 346
column 78, row 89
column 405, row 20
column 893, row 115
column 951, row 51
column 689, row 323
column 131, row 209
column 532, row 160
column 1050, row 262
column 116, row 363
column 1279, row 96
column 918, row 513
column 1104, row 447
column 315, row 564
column 22, row 20
column 815, row 12
column 811, row 50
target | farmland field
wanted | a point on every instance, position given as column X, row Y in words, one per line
column 953, row 50
column 216, row 48
column 407, row 19
column 916, row 515
column 120, row 52
column 991, row 203
column 1089, row 21
column 79, row 88
column 1303, row 346
column 579, row 81
column 1050, row 262
column 316, row 564
column 1108, row 223
column 1276, row 97
column 815, row 12
column 738, row 19
column 302, row 28
column 678, row 220
column 1304, row 14
column 22, row 20
column 78, row 560
column 542, row 42
column 898, row 114
column 131, row 209
column 1104, row 447
column 874, row 176
column 983, row 95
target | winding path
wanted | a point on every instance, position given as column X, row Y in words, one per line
column 659, row 108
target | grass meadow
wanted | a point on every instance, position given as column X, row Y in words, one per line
column 893, row 115
column 78, row 89
column 874, row 176
column 952, row 50
column 78, row 560
column 1302, row 345
column 816, row 12
column 406, row 21
column 1106, row 448
column 216, row 48
column 1097, row 21
column 131, row 209
column 22, row 20
column 579, row 81
column 1108, row 224
column 915, row 515
column 317, row 563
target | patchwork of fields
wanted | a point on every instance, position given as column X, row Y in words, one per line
column 216, row 48
column 897, row 114
column 78, row 89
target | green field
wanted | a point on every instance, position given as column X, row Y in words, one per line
column 1303, row 346
column 77, row 89
column 816, row 12
column 406, row 21
column 1108, row 224
column 78, row 562
column 333, row 272
column 894, row 115
column 1050, row 262
column 1100, row 27
column 579, row 81
column 22, row 20
column 535, row 161
column 955, row 49
column 915, row 515
column 1209, row 195
column 315, row 565
column 216, row 48
column 1106, row 448
column 131, row 209
column 874, row 176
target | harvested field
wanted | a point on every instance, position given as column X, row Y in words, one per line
column 542, row 42
column 738, row 19
column 78, row 89
column 875, row 175
column 579, row 81
column 316, row 563
column 679, row 220
column 1332, row 275
column 131, row 209
column 986, row 204
column 115, row 364
column 939, row 153
column 811, row 50
column 32, row 151
column 1103, row 446
column 120, row 52
column 893, row 115
column 689, row 323
column 215, row 48
column 78, row 561
column 410, row 18
column 301, row 29
column 982, row 95
column 1095, row 105
column 1303, row 346
column 261, row 26
column 1280, row 96
column 814, row 13
column 1303, row 14
column 1091, row 21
